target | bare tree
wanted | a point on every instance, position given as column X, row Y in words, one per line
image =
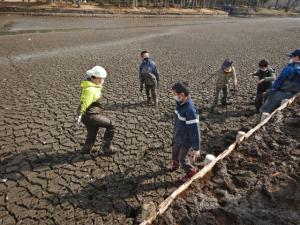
column 288, row 5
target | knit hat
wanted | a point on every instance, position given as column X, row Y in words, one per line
column 227, row 63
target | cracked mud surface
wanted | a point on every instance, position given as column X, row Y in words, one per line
column 44, row 177
column 258, row 184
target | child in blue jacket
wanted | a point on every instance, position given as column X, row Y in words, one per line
column 186, row 133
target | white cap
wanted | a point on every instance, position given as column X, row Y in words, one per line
column 97, row 71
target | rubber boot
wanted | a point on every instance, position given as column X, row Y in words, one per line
column 155, row 102
column 264, row 115
column 148, row 101
column 87, row 148
column 107, row 148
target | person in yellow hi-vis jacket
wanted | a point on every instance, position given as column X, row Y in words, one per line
column 90, row 111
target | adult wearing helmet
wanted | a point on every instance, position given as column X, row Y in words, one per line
column 91, row 110
column 266, row 75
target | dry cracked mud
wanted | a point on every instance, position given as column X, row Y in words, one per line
column 44, row 177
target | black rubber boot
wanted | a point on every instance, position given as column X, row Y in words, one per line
column 87, row 148
column 148, row 101
column 155, row 102
column 107, row 147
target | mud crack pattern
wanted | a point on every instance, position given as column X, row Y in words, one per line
column 44, row 177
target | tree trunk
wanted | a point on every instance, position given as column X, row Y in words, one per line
column 276, row 4
column 288, row 5
column 257, row 5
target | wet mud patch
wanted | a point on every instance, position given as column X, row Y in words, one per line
column 258, row 184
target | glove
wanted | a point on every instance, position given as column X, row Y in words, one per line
column 260, row 81
column 77, row 122
column 264, row 94
column 195, row 154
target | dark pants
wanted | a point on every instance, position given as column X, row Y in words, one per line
column 287, row 90
column 151, row 93
column 274, row 100
column 93, row 122
column 224, row 89
column 180, row 154
column 259, row 99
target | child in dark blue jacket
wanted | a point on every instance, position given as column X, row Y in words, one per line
column 186, row 133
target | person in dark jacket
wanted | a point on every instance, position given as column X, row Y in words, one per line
column 266, row 75
column 285, row 86
column 186, row 133
column 149, row 76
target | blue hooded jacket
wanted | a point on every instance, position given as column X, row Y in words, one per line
column 186, row 131
column 152, row 67
column 291, row 73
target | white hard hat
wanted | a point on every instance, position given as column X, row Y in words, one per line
column 97, row 71
column 89, row 73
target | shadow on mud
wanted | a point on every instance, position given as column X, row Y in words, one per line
column 11, row 166
column 112, row 193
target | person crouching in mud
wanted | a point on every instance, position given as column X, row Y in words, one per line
column 224, row 75
column 90, row 111
column 186, row 133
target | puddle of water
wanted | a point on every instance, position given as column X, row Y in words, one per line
column 6, row 27
column 66, row 51
column 9, row 32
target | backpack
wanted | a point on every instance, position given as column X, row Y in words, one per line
column 148, row 77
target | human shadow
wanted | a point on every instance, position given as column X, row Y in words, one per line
column 11, row 165
column 110, row 193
